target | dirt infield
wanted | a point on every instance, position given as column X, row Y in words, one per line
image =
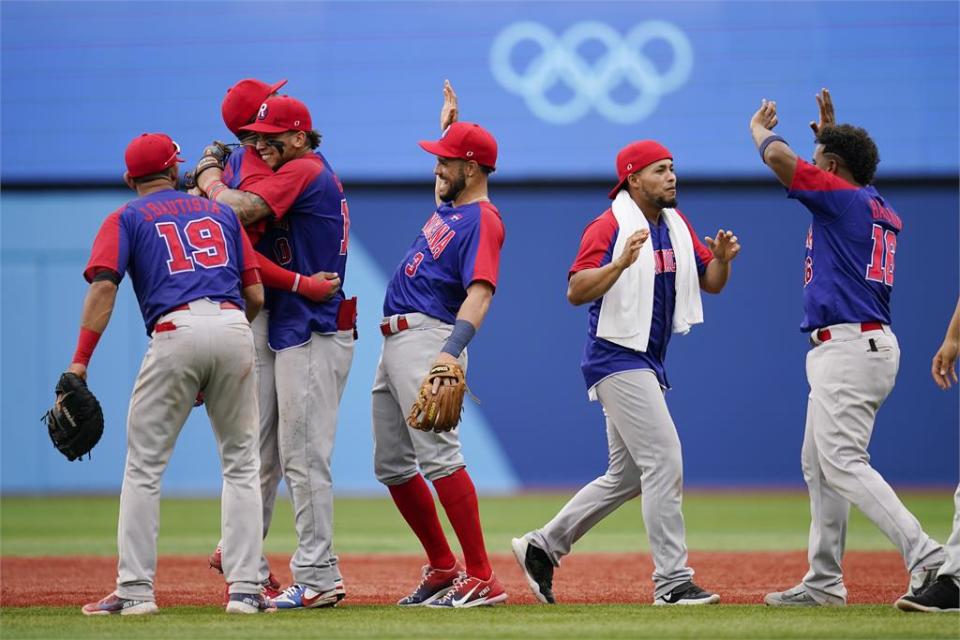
column 742, row 578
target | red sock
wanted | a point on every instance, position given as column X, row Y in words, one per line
column 415, row 502
column 459, row 499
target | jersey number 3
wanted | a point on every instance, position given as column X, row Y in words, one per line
column 880, row 268
column 205, row 237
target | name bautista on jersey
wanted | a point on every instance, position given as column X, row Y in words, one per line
column 177, row 206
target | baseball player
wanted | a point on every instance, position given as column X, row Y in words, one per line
column 193, row 272
column 434, row 304
column 848, row 276
column 312, row 341
column 641, row 267
column 944, row 593
column 243, row 168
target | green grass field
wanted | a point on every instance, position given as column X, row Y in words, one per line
column 716, row 521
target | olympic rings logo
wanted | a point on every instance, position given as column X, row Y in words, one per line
column 558, row 61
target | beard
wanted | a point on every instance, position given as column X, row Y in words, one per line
column 454, row 187
column 661, row 201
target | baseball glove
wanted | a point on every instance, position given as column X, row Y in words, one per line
column 214, row 154
column 440, row 401
column 75, row 422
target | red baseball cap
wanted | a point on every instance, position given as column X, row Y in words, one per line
column 240, row 105
column 467, row 141
column 279, row 114
column 634, row 157
column 151, row 153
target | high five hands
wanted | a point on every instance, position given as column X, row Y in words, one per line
column 725, row 246
column 449, row 112
column 827, row 116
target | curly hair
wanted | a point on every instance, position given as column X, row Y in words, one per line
column 855, row 147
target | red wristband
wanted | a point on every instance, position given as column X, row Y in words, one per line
column 215, row 189
column 315, row 289
column 86, row 343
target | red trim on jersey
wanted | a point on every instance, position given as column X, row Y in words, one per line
column 704, row 255
column 250, row 274
column 283, row 188
column 106, row 248
column 256, row 229
column 486, row 264
column 809, row 178
column 595, row 242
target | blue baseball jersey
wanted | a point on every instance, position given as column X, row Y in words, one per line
column 243, row 168
column 310, row 233
column 850, row 249
column 455, row 248
column 177, row 248
column 602, row 358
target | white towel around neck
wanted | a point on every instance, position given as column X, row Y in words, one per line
column 627, row 308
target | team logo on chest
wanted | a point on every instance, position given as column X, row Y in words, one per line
column 438, row 235
column 664, row 261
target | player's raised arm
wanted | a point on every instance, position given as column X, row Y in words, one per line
column 774, row 150
column 449, row 113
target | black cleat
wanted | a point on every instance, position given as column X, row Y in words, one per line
column 686, row 594
column 942, row 595
column 537, row 569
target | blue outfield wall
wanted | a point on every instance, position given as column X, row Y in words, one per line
column 560, row 84
column 739, row 386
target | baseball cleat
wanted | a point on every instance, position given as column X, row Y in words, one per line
column 270, row 588
column 114, row 604
column 299, row 596
column 942, row 595
column 434, row 584
column 797, row 596
column 920, row 580
column 469, row 591
column 687, row 593
column 249, row 603
column 537, row 569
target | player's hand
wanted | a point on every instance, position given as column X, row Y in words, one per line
column 331, row 279
column 725, row 246
column 449, row 112
column 443, row 358
column 631, row 249
column 944, row 367
column 827, row 116
column 766, row 115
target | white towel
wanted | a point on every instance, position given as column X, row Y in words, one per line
column 627, row 308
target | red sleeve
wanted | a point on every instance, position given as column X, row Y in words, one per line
column 252, row 169
column 595, row 243
column 250, row 274
column 809, row 178
column 275, row 276
column 110, row 248
column 703, row 254
column 486, row 264
column 283, row 188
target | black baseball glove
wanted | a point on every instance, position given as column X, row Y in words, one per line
column 75, row 422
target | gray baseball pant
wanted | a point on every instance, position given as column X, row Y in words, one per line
column 404, row 362
column 645, row 460
column 952, row 566
column 210, row 349
column 849, row 380
column 310, row 379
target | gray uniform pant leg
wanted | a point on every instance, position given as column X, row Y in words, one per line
column 177, row 363
column 270, row 470
column 397, row 449
column 310, row 381
column 645, row 456
column 848, row 383
column 952, row 566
